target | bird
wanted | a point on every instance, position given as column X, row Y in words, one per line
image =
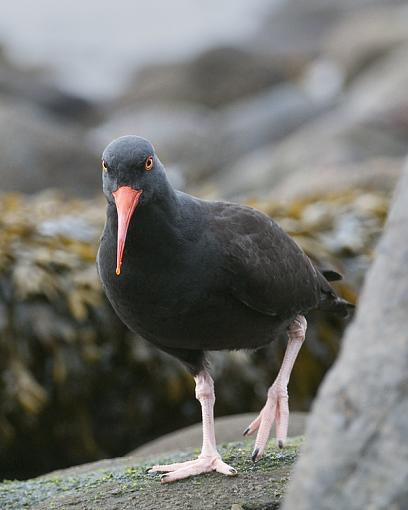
column 193, row 276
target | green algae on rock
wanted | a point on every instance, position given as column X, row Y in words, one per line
column 121, row 483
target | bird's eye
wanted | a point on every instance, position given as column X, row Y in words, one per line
column 149, row 163
column 104, row 166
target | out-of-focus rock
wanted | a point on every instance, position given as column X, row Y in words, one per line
column 378, row 96
column 39, row 152
column 323, row 80
column 197, row 142
column 214, row 78
column 268, row 117
column 364, row 36
column 370, row 122
column 34, row 86
column 372, row 174
column 42, row 134
column 356, row 452
column 296, row 29
column 333, row 140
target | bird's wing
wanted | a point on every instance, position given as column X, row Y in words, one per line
column 269, row 272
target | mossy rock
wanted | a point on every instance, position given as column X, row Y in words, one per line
column 125, row 484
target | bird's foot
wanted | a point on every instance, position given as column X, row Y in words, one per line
column 204, row 464
column 275, row 410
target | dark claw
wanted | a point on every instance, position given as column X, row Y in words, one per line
column 246, row 431
column 163, row 477
column 255, row 454
column 280, row 443
column 234, row 471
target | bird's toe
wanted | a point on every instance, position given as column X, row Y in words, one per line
column 165, row 468
column 225, row 469
column 276, row 410
column 253, row 426
column 179, row 471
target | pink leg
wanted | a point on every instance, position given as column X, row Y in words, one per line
column 276, row 407
column 209, row 459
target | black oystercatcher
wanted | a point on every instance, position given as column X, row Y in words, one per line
column 192, row 276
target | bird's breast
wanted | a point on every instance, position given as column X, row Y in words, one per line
column 153, row 287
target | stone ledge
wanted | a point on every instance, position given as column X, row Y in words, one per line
column 124, row 484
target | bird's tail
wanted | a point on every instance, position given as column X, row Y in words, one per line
column 329, row 300
column 338, row 306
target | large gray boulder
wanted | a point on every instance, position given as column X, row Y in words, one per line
column 356, row 453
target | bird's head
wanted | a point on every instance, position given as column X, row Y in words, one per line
column 132, row 177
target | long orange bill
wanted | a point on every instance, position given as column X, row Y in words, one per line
column 126, row 200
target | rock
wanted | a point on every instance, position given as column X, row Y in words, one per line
column 265, row 118
column 39, row 152
column 356, row 452
column 35, row 87
column 335, row 139
column 214, row 78
column 296, row 30
column 323, row 80
column 299, row 30
column 42, row 139
column 361, row 38
column 123, row 483
column 378, row 96
column 372, row 174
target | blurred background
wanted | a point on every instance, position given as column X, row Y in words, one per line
column 297, row 108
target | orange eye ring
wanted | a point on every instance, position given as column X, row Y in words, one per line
column 104, row 166
column 149, row 163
